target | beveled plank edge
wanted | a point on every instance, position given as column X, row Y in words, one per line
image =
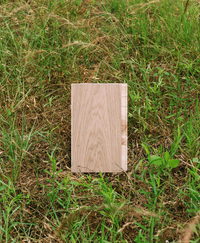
column 124, row 125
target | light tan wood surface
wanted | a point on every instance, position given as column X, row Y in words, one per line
column 98, row 127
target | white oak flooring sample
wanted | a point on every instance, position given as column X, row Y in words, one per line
column 98, row 127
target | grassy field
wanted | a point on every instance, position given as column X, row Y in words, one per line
column 154, row 47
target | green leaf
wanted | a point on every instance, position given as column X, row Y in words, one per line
column 11, row 227
column 48, row 172
column 2, row 229
column 58, row 172
column 2, row 188
column 146, row 149
column 173, row 163
column 48, row 187
column 166, row 156
column 102, row 213
column 195, row 160
column 156, row 160
column 49, row 180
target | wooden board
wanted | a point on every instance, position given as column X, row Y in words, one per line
column 98, row 127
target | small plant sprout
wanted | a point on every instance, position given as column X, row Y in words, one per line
column 169, row 163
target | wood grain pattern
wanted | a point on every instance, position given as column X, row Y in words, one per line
column 98, row 127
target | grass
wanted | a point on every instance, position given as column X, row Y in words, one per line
column 153, row 46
